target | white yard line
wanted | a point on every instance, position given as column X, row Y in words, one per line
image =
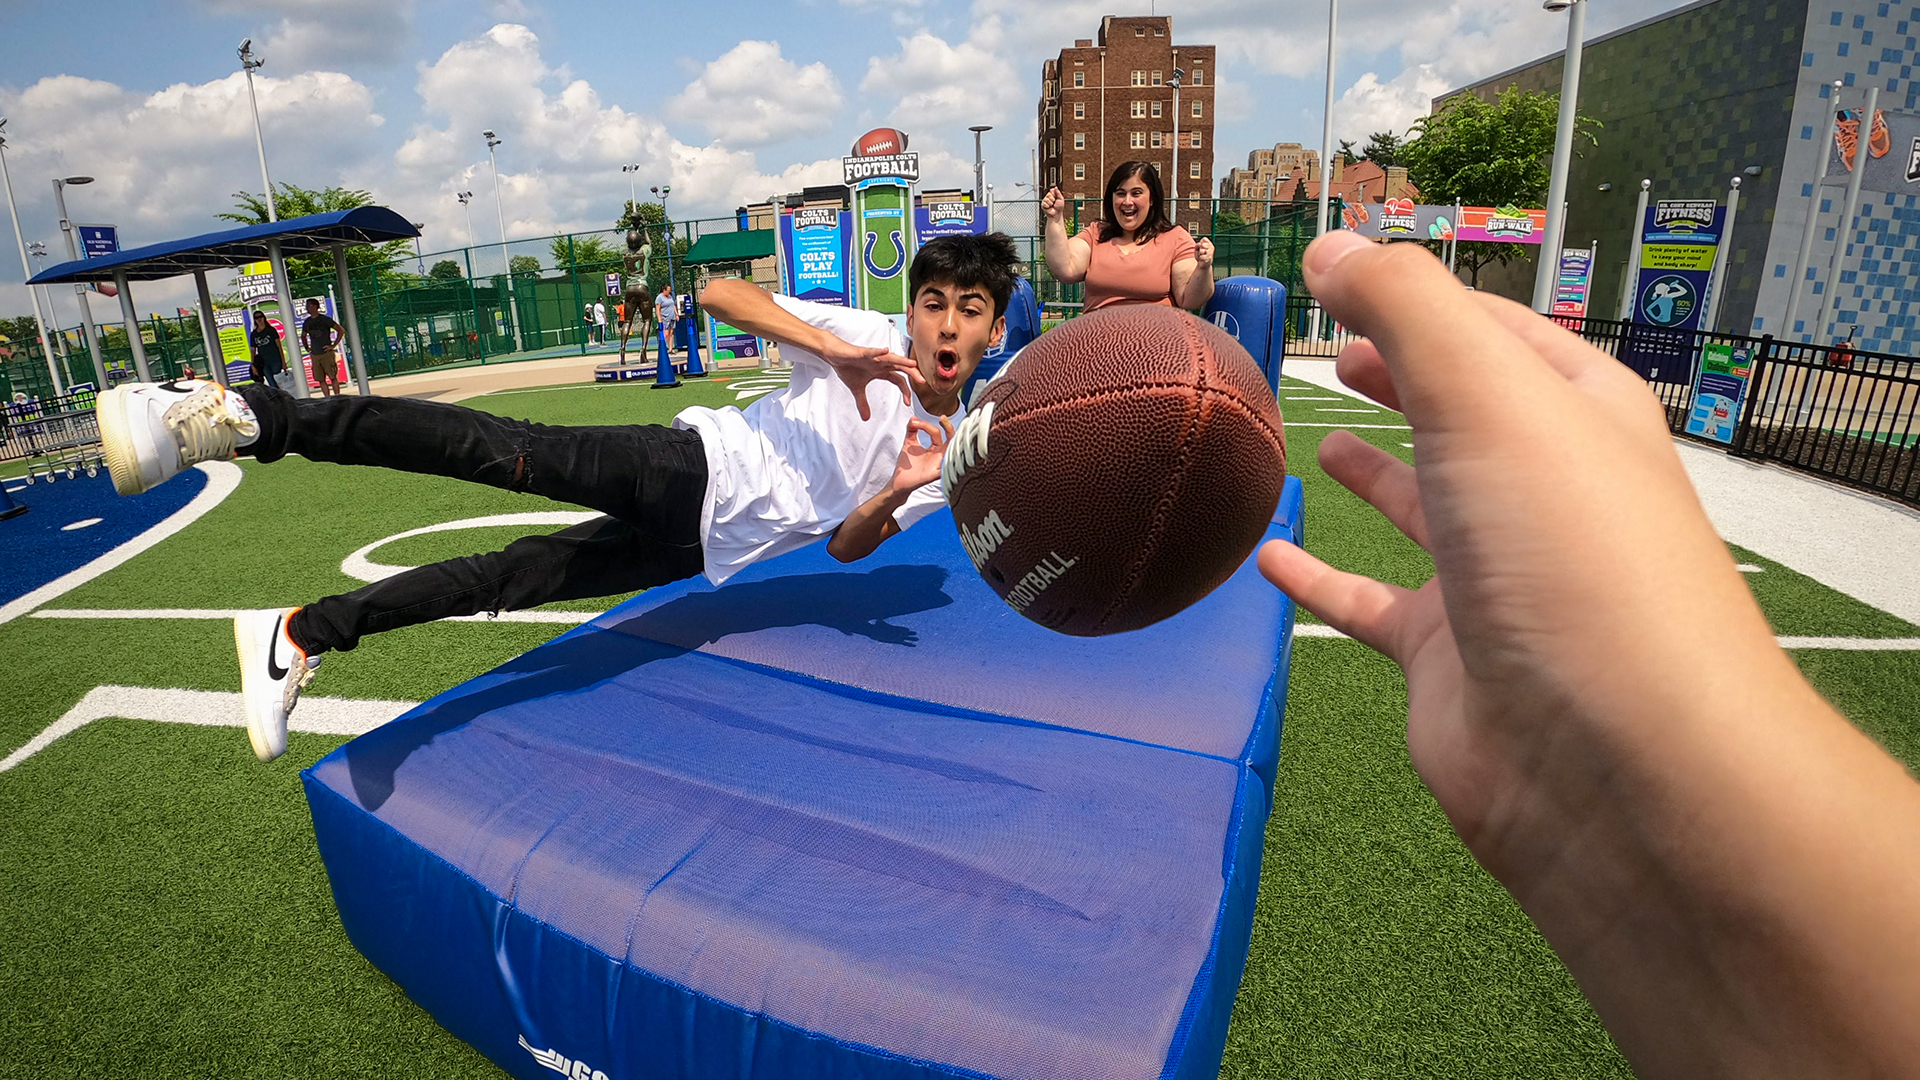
column 565, row 618
column 1316, row 399
column 1319, row 373
column 222, row 478
column 1385, row 427
column 1369, row 412
column 318, row 715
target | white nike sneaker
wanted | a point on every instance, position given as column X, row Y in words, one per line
column 273, row 671
column 150, row 431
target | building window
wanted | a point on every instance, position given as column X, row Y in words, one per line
column 1139, row 110
column 1196, row 110
column 1053, row 147
column 1195, row 143
column 1139, row 31
column 1156, row 78
column 1079, row 140
column 1139, row 140
column 1139, row 78
column 1193, row 169
column 1079, row 172
column 1079, row 79
column 1159, row 31
column 1199, row 77
column 1156, row 140
column 1079, row 110
column 1156, row 109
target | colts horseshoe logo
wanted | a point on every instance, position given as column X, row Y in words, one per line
column 899, row 255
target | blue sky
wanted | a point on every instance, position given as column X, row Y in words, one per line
column 730, row 101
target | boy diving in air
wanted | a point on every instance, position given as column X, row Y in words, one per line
column 834, row 455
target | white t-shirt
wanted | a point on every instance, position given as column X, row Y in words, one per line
column 599, row 313
column 788, row 470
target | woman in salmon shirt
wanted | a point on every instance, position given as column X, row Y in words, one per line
column 1135, row 255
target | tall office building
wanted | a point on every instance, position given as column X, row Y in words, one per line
column 1105, row 103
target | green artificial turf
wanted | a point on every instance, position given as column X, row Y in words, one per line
column 166, row 913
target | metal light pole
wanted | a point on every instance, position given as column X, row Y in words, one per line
column 506, row 262
column 46, row 344
column 1723, row 261
column 1842, row 234
column 1813, row 216
column 79, row 290
column 1629, row 289
column 419, row 260
column 1326, row 141
column 979, row 166
column 248, row 62
column 663, row 191
column 633, row 197
column 1547, row 274
column 466, row 203
column 1173, row 218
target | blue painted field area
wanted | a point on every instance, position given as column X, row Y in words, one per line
column 37, row 546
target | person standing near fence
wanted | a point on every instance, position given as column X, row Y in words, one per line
column 600, row 322
column 1134, row 255
column 321, row 337
column 268, row 360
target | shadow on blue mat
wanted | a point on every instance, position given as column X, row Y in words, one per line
column 854, row 604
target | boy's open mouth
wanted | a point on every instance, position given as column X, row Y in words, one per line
column 946, row 363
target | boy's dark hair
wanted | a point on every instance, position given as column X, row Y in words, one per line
column 1155, row 222
column 986, row 262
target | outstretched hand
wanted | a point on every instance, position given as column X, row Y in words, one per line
column 858, row 366
column 919, row 465
column 1597, row 703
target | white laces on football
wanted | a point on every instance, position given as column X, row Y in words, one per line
column 968, row 448
column 204, row 427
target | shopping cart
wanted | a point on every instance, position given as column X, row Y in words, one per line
column 56, row 435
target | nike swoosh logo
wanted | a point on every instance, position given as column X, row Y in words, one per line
column 275, row 671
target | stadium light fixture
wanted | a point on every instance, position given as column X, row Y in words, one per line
column 248, row 63
column 506, row 262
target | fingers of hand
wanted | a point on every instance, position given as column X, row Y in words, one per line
column 946, row 426
column 1359, row 607
column 906, row 391
column 1383, row 480
column 1360, row 367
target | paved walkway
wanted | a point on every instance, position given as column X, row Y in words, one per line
column 460, row 383
column 1863, row 546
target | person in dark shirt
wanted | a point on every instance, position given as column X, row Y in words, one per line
column 268, row 360
column 321, row 336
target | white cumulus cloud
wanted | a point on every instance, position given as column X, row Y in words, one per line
column 937, row 85
column 751, row 95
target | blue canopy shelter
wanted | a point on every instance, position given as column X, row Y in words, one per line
column 332, row 231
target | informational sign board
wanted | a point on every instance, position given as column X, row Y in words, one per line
column 97, row 240
column 1401, row 219
column 255, row 282
column 1719, row 390
column 230, row 325
column 613, row 284
column 883, row 225
column 731, row 343
column 1889, row 147
column 1576, row 276
column 949, row 217
column 1502, row 225
column 1678, row 242
column 815, row 260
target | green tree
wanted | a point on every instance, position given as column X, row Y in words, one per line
column 445, row 270
column 1347, row 155
column 21, row 328
column 1482, row 153
column 586, row 253
column 524, row 265
column 1383, row 149
column 294, row 201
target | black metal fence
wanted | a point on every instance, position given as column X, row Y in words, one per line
column 1851, row 417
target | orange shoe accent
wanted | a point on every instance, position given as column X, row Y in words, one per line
column 1846, row 135
column 1879, row 141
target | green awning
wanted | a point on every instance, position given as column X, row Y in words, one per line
column 726, row 247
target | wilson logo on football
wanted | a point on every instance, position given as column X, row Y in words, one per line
column 968, row 448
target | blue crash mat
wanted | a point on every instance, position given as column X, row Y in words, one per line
column 828, row 821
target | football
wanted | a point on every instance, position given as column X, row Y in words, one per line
column 1120, row 468
column 880, row 142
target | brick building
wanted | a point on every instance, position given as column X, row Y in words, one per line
column 1290, row 173
column 1105, row 103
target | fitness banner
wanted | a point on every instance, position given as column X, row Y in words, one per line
column 1891, row 148
column 1678, row 242
column 949, row 217
column 1401, row 219
column 813, row 254
column 1719, row 390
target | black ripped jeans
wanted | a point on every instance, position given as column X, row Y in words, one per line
column 649, row 481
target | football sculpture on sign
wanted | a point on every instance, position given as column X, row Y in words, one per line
column 880, row 142
column 1117, row 470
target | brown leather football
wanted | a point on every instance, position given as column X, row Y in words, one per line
column 1120, row 468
